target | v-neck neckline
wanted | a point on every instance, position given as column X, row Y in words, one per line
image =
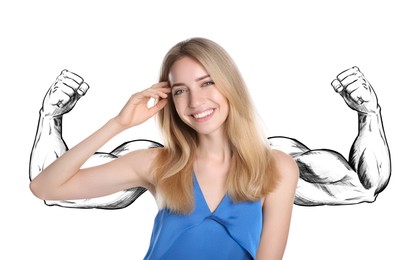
column 200, row 191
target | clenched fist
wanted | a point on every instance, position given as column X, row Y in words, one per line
column 359, row 95
column 63, row 94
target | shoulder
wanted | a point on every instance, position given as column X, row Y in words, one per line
column 142, row 161
column 144, row 156
column 288, row 176
column 286, row 166
column 151, row 152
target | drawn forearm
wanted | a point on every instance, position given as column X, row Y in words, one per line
column 369, row 155
column 48, row 144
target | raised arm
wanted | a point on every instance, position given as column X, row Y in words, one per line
column 49, row 144
column 369, row 155
column 60, row 98
column 327, row 177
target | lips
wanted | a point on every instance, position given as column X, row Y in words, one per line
column 203, row 114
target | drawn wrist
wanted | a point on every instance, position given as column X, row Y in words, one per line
column 48, row 116
column 371, row 112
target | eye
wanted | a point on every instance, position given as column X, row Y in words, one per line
column 208, row 83
column 177, row 92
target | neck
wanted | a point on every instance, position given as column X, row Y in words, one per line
column 215, row 146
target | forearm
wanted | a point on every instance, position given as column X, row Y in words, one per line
column 369, row 155
column 67, row 165
column 116, row 200
column 48, row 144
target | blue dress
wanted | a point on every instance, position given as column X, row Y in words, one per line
column 232, row 231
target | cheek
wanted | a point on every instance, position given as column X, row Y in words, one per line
column 222, row 100
column 179, row 106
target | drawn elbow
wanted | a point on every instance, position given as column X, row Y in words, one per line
column 370, row 196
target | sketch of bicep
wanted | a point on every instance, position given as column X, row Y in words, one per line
column 326, row 176
column 116, row 200
column 49, row 144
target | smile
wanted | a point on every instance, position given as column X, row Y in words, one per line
column 203, row 114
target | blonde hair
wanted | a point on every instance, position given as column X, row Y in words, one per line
column 252, row 173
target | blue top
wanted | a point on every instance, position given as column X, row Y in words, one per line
column 232, row 231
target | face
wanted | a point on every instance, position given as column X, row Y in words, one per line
column 197, row 100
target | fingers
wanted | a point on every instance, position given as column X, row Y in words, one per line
column 158, row 105
column 70, row 79
column 61, row 97
column 73, row 81
column 151, row 95
column 159, row 96
column 67, row 87
column 346, row 73
column 144, row 105
column 82, row 89
column 344, row 79
column 163, row 84
column 68, row 74
column 158, row 91
column 337, row 85
column 352, row 83
column 155, row 93
column 360, row 96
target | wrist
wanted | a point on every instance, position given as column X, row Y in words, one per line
column 45, row 115
column 115, row 125
column 371, row 112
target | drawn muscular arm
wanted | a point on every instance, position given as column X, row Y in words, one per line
column 49, row 144
column 326, row 177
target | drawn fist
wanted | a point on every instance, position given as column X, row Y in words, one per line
column 359, row 95
column 63, row 94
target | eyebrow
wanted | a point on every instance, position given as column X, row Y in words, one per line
column 196, row 80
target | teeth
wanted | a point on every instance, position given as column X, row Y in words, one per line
column 203, row 114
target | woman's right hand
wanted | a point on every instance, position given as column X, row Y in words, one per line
column 137, row 111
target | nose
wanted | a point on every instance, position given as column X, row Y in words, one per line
column 196, row 99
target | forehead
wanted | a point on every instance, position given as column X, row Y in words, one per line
column 186, row 69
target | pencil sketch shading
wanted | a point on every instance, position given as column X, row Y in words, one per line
column 326, row 176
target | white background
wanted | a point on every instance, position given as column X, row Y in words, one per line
column 288, row 53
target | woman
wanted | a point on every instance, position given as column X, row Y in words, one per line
column 222, row 192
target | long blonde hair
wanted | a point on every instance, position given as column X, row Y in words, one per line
column 252, row 173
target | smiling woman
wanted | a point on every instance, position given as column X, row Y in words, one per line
column 197, row 101
column 222, row 192
column 212, row 137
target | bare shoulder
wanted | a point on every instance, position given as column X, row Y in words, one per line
column 286, row 166
column 288, row 173
column 142, row 161
column 148, row 154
